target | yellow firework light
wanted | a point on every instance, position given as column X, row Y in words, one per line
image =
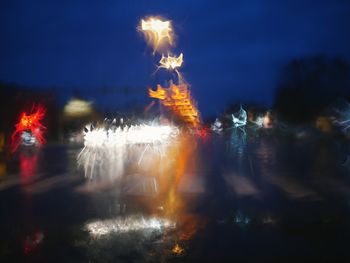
column 159, row 93
column 157, row 32
column 171, row 62
column 178, row 99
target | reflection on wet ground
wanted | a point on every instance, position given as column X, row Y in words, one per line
column 227, row 198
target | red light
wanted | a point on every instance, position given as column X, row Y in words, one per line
column 203, row 132
column 28, row 164
column 30, row 123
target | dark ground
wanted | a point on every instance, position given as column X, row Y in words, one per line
column 262, row 199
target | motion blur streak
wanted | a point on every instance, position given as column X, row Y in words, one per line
column 181, row 162
column 28, row 165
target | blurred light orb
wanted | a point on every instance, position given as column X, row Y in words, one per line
column 77, row 108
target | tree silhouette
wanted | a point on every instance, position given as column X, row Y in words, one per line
column 309, row 85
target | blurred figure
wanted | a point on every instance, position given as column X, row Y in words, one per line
column 217, row 126
column 239, row 119
column 267, row 122
column 264, row 121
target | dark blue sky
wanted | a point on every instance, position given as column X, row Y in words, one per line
column 233, row 50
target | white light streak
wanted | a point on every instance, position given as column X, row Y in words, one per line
column 106, row 151
column 100, row 228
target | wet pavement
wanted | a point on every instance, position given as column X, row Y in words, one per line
column 221, row 199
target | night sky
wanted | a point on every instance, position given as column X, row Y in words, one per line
column 233, row 50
